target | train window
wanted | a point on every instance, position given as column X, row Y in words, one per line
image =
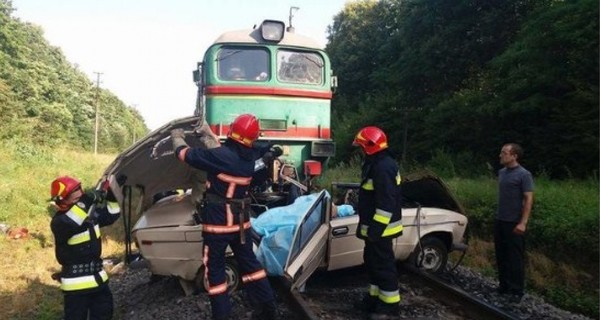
column 299, row 67
column 243, row 64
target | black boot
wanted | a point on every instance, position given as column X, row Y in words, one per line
column 367, row 304
column 265, row 311
column 384, row 311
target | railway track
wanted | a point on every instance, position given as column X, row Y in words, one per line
column 473, row 306
column 331, row 295
column 298, row 307
column 328, row 296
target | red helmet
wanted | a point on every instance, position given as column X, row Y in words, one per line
column 61, row 187
column 244, row 129
column 371, row 140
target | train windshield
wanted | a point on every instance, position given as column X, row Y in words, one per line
column 243, row 64
column 299, row 67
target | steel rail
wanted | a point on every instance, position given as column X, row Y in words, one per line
column 293, row 299
column 484, row 310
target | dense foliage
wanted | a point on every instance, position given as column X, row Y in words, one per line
column 46, row 100
column 462, row 77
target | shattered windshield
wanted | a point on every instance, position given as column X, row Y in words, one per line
column 299, row 67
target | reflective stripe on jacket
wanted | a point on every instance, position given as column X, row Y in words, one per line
column 380, row 202
column 83, row 282
column 78, row 246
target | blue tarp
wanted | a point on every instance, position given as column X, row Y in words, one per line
column 277, row 227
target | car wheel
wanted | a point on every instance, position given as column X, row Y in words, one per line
column 232, row 274
column 431, row 256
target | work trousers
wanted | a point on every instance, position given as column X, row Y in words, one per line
column 381, row 266
column 258, row 290
column 510, row 257
column 99, row 305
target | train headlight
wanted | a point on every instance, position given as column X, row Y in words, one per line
column 272, row 30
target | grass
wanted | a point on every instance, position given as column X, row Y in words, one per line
column 26, row 289
column 27, row 292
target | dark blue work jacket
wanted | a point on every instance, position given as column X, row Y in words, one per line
column 78, row 245
column 379, row 200
column 229, row 169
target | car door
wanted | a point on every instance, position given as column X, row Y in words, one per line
column 309, row 243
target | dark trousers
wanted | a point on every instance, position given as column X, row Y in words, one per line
column 381, row 266
column 510, row 257
column 258, row 291
column 99, row 304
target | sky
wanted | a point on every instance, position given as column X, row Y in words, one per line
column 146, row 50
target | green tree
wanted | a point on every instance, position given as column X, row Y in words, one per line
column 542, row 92
column 465, row 76
column 46, row 100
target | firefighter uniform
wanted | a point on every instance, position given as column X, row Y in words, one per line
column 78, row 249
column 225, row 222
column 380, row 215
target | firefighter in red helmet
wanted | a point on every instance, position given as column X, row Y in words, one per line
column 379, row 208
column 225, row 215
column 78, row 247
column 244, row 130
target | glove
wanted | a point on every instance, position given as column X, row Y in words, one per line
column 177, row 133
column 276, row 150
column 178, row 138
column 97, row 195
column 268, row 157
column 208, row 138
column 204, row 129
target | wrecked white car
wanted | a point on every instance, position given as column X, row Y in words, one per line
column 157, row 196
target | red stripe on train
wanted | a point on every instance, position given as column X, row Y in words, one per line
column 292, row 132
column 268, row 91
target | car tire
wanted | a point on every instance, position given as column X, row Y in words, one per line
column 435, row 255
column 232, row 274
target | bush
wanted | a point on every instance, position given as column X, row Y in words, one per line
column 573, row 300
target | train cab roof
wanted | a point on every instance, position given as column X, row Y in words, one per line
column 255, row 36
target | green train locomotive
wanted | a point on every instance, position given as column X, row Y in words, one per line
column 285, row 80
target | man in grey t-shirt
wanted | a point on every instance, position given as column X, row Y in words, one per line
column 515, row 199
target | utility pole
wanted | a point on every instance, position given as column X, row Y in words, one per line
column 98, row 74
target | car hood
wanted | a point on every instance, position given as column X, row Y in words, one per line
column 150, row 164
column 427, row 190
